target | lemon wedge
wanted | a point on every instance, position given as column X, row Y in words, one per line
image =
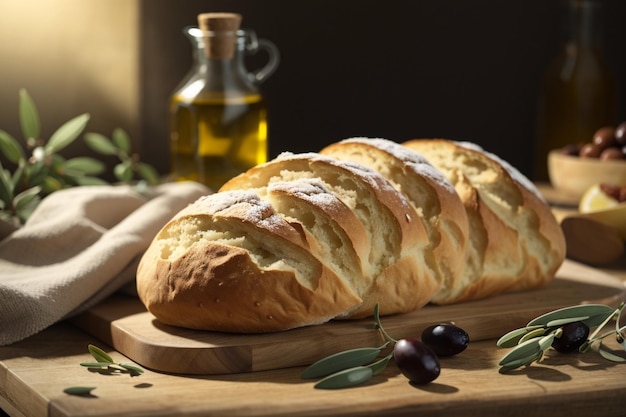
column 594, row 199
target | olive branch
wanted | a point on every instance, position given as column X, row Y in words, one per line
column 530, row 342
column 40, row 170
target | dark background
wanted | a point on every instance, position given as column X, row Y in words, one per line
column 458, row 69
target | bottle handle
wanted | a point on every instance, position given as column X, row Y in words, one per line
column 254, row 45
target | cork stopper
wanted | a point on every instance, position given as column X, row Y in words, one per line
column 222, row 27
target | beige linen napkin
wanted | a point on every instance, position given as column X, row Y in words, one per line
column 78, row 247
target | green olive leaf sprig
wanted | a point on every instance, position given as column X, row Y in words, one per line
column 104, row 364
column 104, row 361
column 529, row 343
column 38, row 169
column 350, row 367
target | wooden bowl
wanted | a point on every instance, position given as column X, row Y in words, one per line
column 572, row 175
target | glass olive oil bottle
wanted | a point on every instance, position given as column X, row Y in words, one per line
column 218, row 118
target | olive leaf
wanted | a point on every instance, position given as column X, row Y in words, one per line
column 26, row 197
column 18, row 175
column 546, row 341
column 83, row 165
column 342, row 360
column 346, row 378
column 100, row 144
column 117, row 367
column 132, row 368
column 532, row 334
column 95, row 364
column 99, row 354
column 562, row 322
column 11, row 148
column 123, row 171
column 6, row 186
column 528, row 351
column 596, row 313
column 66, row 134
column 526, row 360
column 29, row 116
column 80, row 391
column 121, row 139
column 513, row 337
column 610, row 356
column 380, row 365
column 525, row 350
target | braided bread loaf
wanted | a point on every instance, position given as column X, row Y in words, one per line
column 306, row 238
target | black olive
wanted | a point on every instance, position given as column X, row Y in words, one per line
column 416, row 361
column 573, row 336
column 445, row 339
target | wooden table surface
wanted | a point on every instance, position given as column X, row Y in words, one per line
column 34, row 372
column 470, row 384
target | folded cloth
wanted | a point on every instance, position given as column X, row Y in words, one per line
column 78, row 247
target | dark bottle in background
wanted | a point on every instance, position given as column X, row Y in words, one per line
column 578, row 92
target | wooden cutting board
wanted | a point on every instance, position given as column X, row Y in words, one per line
column 124, row 323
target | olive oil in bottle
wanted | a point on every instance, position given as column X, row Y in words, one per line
column 218, row 118
column 214, row 140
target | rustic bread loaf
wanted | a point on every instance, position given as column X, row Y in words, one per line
column 429, row 192
column 515, row 241
column 229, row 263
column 395, row 235
column 307, row 238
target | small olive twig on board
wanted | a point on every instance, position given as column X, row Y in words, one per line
column 553, row 329
column 103, row 364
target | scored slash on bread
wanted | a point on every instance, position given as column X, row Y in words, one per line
column 306, row 238
column 333, row 231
